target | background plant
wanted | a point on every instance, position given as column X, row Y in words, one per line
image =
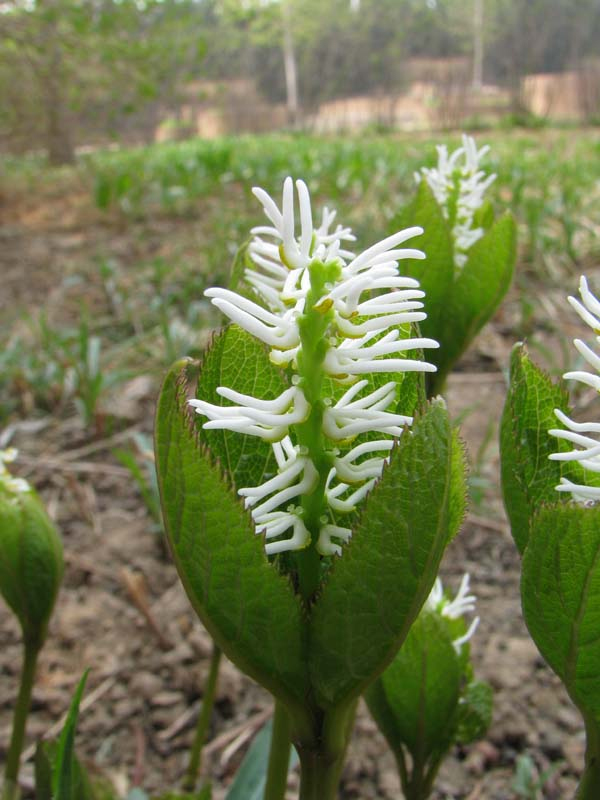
column 427, row 699
column 31, row 569
column 557, row 536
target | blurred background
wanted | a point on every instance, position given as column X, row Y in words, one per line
column 131, row 134
column 84, row 74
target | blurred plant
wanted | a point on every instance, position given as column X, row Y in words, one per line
column 478, row 482
column 252, row 777
column 559, row 535
column 427, row 699
column 49, row 366
column 88, row 378
column 528, row 783
column 31, row 569
column 35, row 369
column 202, row 725
column 59, row 775
column 143, row 474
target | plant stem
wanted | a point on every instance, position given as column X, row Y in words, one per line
column 11, row 771
column 279, row 754
column 319, row 775
column 313, row 327
column 589, row 787
column 208, row 701
column 322, row 758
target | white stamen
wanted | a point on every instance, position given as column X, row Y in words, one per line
column 365, row 304
column 587, row 448
column 451, row 175
column 463, row 603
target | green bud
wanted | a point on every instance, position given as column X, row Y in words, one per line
column 31, row 556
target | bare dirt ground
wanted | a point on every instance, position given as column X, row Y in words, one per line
column 123, row 613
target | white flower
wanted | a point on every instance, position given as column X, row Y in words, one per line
column 269, row 419
column 459, row 186
column 7, row 482
column 309, row 283
column 462, row 604
column 587, row 451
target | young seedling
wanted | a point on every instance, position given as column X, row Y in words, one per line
column 31, row 568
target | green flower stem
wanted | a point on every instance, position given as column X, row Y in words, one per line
column 11, row 771
column 313, row 326
column 402, row 769
column 452, row 202
column 417, row 784
column 279, row 754
column 319, row 776
column 589, row 787
column 208, row 701
column 322, row 758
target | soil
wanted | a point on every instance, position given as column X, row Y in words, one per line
column 122, row 610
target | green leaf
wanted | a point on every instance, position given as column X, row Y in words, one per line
column 421, row 689
column 474, row 712
column 64, row 779
column 528, row 475
column 560, row 590
column 251, row 777
column 45, row 766
column 435, row 273
column 238, row 361
column 484, row 216
column 43, row 770
column 375, row 591
column 249, row 609
column 476, row 293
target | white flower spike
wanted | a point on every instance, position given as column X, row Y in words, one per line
column 462, row 604
column 584, row 435
column 459, row 186
column 332, row 319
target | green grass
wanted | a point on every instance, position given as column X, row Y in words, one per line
column 549, row 179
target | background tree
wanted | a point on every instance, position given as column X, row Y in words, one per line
column 69, row 65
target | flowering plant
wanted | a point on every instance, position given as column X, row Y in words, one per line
column 470, row 255
column 310, row 407
column 427, row 699
column 551, row 483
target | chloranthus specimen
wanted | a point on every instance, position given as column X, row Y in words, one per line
column 459, row 185
column 470, row 252
column 585, row 436
column 427, row 699
column 551, row 486
column 307, row 485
